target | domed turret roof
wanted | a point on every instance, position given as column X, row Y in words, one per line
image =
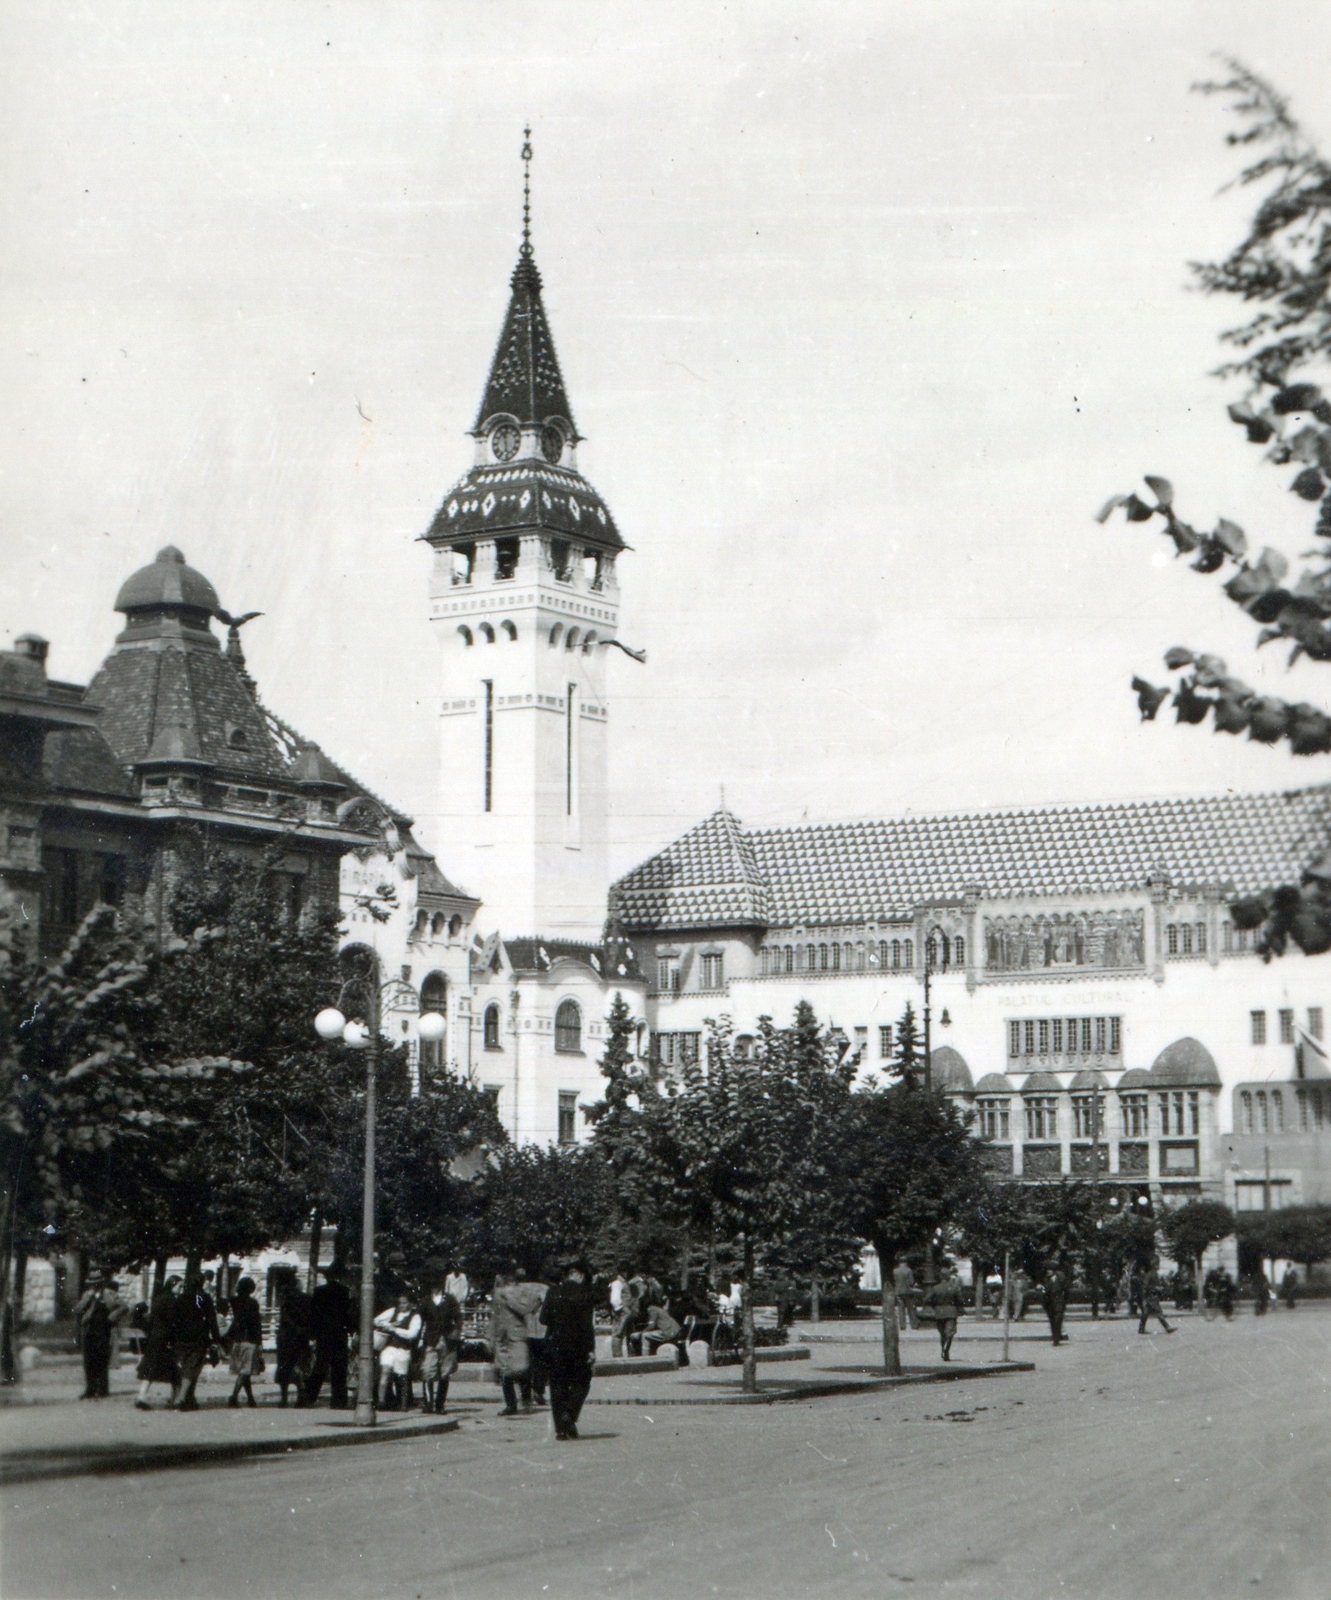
column 169, row 581
column 994, row 1083
column 1041, row 1083
column 1136, row 1078
column 1186, row 1061
column 948, row 1070
column 1086, row 1079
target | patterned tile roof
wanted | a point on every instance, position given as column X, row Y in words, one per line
column 708, row 878
column 614, row 958
column 839, row 873
column 525, row 381
column 520, row 496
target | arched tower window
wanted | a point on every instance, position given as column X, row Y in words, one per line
column 490, row 1033
column 464, row 633
column 487, row 633
column 959, row 951
column 510, row 631
column 896, row 953
column 568, row 1027
column 556, row 634
column 434, row 997
column 437, row 923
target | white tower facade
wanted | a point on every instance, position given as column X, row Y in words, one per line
column 525, row 599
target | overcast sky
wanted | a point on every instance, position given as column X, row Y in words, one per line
column 864, row 309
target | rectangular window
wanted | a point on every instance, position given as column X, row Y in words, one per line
column 994, row 1123
column 1072, row 1036
column 711, row 972
column 1014, row 1038
column 491, row 1093
column 1259, row 1027
column 1085, row 1036
column 489, row 743
column 1287, row 1027
column 1194, row 1113
column 1057, row 1026
column 572, row 711
column 885, row 1042
column 1044, row 1036
column 1030, row 1038
column 1135, row 1111
column 1164, row 1116
column 1099, row 1036
column 1315, row 1021
column 1171, row 939
column 1042, row 1118
column 1227, row 938
column 688, row 1048
column 110, row 879
column 1277, row 1111
column 568, row 1117
column 1301, row 1099
column 1084, row 1121
column 1185, row 942
column 1201, row 938
column 1115, row 1035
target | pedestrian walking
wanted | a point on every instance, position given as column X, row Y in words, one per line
column 396, row 1331
column 993, row 1294
column 1136, row 1282
column 943, row 1303
column 509, row 1349
column 1288, row 1284
column 1224, row 1293
column 1152, row 1299
column 246, row 1338
column 1021, row 1292
column 532, row 1292
column 1261, row 1293
column 1185, row 1288
column 293, row 1336
column 1056, row 1302
column 158, row 1362
column 194, row 1335
column 570, row 1347
column 441, row 1339
column 97, row 1315
column 908, row 1299
column 332, row 1318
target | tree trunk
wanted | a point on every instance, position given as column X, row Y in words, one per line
column 814, row 1307
column 316, row 1244
column 750, row 1384
column 159, row 1277
column 891, row 1333
column 8, row 1365
column 193, row 1263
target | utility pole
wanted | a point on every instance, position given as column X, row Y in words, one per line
column 928, row 1054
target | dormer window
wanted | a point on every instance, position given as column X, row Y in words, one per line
column 236, row 738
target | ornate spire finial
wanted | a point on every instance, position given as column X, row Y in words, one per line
column 526, row 190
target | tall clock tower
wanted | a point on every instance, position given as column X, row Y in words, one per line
column 525, row 600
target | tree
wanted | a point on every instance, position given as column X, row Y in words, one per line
column 529, row 1205
column 907, row 1167
column 1188, row 1229
column 1283, row 267
column 1298, row 1233
column 81, row 1095
column 744, row 1151
column 907, row 1063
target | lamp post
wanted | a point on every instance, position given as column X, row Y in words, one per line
column 330, row 1024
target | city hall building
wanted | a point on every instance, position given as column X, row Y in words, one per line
column 1072, row 952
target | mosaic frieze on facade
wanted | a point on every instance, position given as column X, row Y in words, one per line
column 1106, row 939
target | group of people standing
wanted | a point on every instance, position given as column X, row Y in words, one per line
column 184, row 1334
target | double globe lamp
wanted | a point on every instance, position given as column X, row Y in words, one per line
column 331, row 1025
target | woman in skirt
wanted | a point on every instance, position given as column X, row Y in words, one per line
column 158, row 1363
column 246, row 1335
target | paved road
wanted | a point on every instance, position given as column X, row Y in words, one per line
column 1198, row 1465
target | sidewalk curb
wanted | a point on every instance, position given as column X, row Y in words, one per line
column 823, row 1391
column 155, row 1458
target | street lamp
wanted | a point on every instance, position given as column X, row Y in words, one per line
column 330, row 1024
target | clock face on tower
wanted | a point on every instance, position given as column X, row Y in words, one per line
column 552, row 444
column 504, row 441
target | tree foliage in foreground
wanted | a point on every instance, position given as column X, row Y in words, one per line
column 1281, row 269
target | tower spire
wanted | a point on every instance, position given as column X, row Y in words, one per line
column 526, row 190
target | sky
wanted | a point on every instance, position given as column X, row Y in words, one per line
column 864, row 311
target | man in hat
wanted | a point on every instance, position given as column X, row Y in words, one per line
column 332, row 1318
column 98, row 1314
column 570, row 1346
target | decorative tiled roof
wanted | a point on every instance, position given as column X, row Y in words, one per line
column 856, row 872
column 525, row 381
column 995, row 1083
column 522, row 496
column 79, row 760
column 709, row 878
column 948, row 1070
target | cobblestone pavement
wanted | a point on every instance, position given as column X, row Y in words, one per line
column 1197, row 1465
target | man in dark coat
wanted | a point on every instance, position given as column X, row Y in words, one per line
column 193, row 1333
column 293, row 1335
column 570, row 1347
column 1056, row 1301
column 332, row 1318
column 1153, row 1296
column 97, row 1315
